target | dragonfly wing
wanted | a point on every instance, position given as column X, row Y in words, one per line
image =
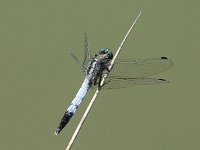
column 86, row 56
column 128, row 68
column 86, row 53
column 117, row 83
column 77, row 61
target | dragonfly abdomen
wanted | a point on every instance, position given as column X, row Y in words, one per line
column 74, row 105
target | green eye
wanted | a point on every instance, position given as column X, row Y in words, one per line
column 106, row 51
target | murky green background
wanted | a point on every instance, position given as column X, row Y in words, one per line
column 38, row 78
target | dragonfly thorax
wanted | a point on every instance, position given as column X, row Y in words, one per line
column 98, row 64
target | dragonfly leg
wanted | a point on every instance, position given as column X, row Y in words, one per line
column 107, row 69
column 99, row 84
column 106, row 82
column 98, row 81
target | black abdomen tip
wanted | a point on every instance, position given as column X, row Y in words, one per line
column 63, row 122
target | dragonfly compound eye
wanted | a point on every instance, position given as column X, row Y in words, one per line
column 106, row 51
column 102, row 51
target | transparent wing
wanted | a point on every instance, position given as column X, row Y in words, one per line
column 77, row 61
column 117, row 83
column 128, row 68
column 87, row 58
column 128, row 72
column 86, row 53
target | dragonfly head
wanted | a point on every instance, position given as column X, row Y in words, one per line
column 106, row 53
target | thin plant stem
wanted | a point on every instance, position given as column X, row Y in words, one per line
column 98, row 89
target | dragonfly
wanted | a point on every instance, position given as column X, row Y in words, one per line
column 125, row 73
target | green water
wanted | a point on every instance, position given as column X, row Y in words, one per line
column 38, row 78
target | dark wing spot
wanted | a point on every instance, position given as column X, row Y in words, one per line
column 162, row 79
column 164, row 58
